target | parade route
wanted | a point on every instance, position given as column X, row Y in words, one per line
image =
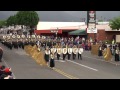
column 91, row 67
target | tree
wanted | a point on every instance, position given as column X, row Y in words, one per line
column 12, row 20
column 2, row 23
column 115, row 23
column 27, row 18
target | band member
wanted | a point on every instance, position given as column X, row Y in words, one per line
column 39, row 48
column 52, row 62
column 23, row 43
column 64, row 52
column 100, row 51
column 80, row 51
column 53, row 49
column 117, row 54
column 16, row 44
column 69, row 52
column 75, row 51
column 10, row 44
column 59, row 52
column 20, row 43
column 47, row 53
column 49, row 44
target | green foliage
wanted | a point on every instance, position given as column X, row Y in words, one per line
column 2, row 23
column 115, row 23
column 12, row 20
column 28, row 18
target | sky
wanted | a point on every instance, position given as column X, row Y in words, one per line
column 65, row 16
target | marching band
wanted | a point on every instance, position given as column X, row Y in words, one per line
column 53, row 46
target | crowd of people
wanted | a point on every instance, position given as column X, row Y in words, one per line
column 57, row 46
column 61, row 46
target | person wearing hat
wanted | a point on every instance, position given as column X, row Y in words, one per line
column 69, row 52
column 100, row 51
column 64, row 52
column 80, row 51
column 75, row 51
column 47, row 53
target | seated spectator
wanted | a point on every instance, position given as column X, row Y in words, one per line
column 8, row 77
column 7, row 71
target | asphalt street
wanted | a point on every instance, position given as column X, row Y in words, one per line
column 91, row 67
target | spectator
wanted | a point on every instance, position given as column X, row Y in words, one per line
column 5, row 73
column 1, row 54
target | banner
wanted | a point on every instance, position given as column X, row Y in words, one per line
column 91, row 22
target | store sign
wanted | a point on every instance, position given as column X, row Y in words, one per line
column 91, row 21
column 54, row 31
column 91, row 30
column 91, row 17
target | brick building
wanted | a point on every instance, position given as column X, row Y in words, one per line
column 63, row 28
column 104, row 33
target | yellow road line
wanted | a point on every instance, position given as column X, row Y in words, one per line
column 64, row 74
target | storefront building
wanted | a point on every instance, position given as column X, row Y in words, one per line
column 63, row 29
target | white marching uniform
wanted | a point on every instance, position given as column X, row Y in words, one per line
column 80, row 51
column 47, row 53
column 69, row 53
column 53, row 50
column 70, row 50
column 64, row 51
column 75, row 50
column 59, row 51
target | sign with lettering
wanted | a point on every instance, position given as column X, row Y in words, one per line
column 91, row 21
column 54, row 31
column 91, row 30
